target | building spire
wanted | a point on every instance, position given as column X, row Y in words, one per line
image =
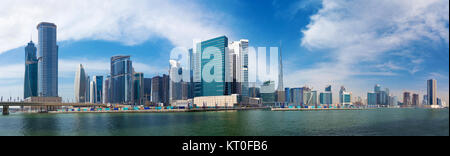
column 280, row 70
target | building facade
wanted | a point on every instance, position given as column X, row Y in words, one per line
column 138, row 89
column 121, row 80
column 31, row 71
column 80, row 85
column 47, row 60
column 432, row 92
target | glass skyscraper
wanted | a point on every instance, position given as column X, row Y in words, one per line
column 31, row 71
column 431, row 92
column 98, row 89
column 211, row 53
column 121, row 80
column 47, row 60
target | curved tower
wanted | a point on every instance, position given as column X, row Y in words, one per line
column 80, row 85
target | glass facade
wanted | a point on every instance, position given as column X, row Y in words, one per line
column 98, row 81
column 48, row 60
column 121, row 79
column 212, row 57
column 371, row 99
column 31, row 71
column 138, row 88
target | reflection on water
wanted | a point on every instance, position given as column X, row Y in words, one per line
column 259, row 123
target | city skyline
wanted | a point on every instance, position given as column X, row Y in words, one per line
column 388, row 73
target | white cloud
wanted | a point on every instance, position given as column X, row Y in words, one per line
column 113, row 20
column 358, row 34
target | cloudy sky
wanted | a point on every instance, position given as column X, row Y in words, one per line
column 355, row 43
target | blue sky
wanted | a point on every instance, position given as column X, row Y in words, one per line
column 355, row 43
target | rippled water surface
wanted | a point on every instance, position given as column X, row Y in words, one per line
column 241, row 123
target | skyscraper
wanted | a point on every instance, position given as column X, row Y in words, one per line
column 431, row 92
column 88, row 89
column 407, row 99
column 372, row 99
column 31, row 71
column 281, row 96
column 326, row 98
column 147, row 90
column 47, row 60
column 80, row 85
column 345, row 98
column 210, row 56
column 106, row 90
column 121, row 79
column 415, row 100
column 176, row 79
column 138, row 89
column 238, row 67
column 98, row 89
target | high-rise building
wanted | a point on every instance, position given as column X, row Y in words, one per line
column 372, row 99
column 147, row 90
column 345, row 98
column 415, row 100
column 281, row 96
column 407, row 99
column 160, row 89
column 98, row 89
column 138, row 89
column 268, row 93
column 176, row 81
column 238, row 67
column 80, row 85
column 432, row 92
column 254, row 92
column 47, row 60
column 88, row 89
column 121, row 80
column 309, row 97
column 296, row 97
column 92, row 92
column 326, row 98
column 210, row 56
column 106, row 90
column 393, row 101
column 382, row 95
column 31, row 71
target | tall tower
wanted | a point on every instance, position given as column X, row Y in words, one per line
column 48, row 60
column 31, row 71
column 281, row 96
column 280, row 71
column 431, row 92
column 80, row 85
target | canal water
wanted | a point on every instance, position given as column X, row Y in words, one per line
column 375, row 122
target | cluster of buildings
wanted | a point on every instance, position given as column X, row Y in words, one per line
column 382, row 98
column 187, row 85
column 41, row 66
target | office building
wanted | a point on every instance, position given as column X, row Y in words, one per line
column 268, row 93
column 88, row 89
column 415, row 100
column 210, row 56
column 31, row 71
column 107, row 90
column 147, row 90
column 407, row 99
column 372, row 100
column 80, row 85
column 326, row 98
column 176, row 81
column 138, row 89
column 160, row 90
column 432, row 92
column 121, row 80
column 97, row 95
column 345, row 98
column 47, row 60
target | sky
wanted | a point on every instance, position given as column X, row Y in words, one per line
column 353, row 43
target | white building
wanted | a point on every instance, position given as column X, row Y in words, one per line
column 80, row 85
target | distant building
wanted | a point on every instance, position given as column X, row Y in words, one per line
column 415, row 100
column 372, row 99
column 47, row 60
column 176, row 81
column 432, row 92
column 309, row 97
column 254, row 92
column 268, row 93
column 147, row 90
column 407, row 99
column 80, row 85
column 326, row 98
column 296, row 97
column 121, row 80
column 31, row 71
column 107, row 90
column 138, row 89
column 345, row 98
column 88, row 89
column 393, row 101
column 160, row 89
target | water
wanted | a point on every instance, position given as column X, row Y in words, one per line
column 234, row 123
